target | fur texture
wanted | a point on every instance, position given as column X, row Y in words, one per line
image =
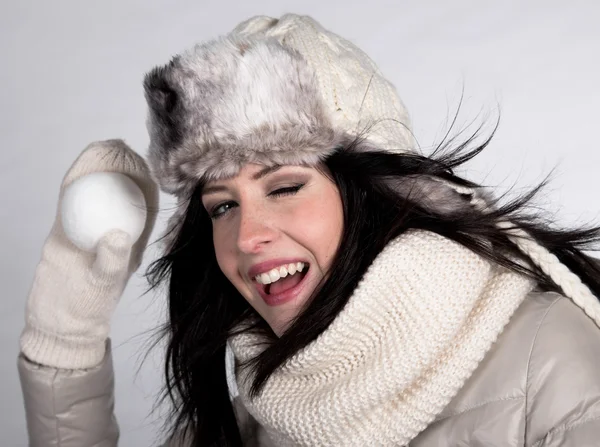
column 229, row 102
column 276, row 91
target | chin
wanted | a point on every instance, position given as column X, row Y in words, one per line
column 281, row 322
column 279, row 331
column 280, row 317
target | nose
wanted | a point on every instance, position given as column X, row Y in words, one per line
column 254, row 231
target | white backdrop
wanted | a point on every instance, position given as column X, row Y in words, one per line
column 72, row 71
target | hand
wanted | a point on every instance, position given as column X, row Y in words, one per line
column 74, row 293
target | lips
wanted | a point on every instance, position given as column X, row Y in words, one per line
column 263, row 267
column 286, row 295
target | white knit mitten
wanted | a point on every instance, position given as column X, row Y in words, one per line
column 74, row 293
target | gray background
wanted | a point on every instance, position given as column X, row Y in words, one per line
column 72, row 70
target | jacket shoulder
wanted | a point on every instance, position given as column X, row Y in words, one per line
column 563, row 375
column 539, row 385
column 501, row 376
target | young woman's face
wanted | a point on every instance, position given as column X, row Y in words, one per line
column 270, row 223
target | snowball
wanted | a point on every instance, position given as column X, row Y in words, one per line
column 100, row 202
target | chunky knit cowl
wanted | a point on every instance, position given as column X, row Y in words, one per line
column 414, row 330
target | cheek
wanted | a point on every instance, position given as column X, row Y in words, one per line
column 332, row 231
column 225, row 253
column 320, row 224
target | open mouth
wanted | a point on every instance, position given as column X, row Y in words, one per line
column 286, row 283
column 284, row 288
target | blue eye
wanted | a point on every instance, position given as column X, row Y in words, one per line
column 215, row 213
column 223, row 208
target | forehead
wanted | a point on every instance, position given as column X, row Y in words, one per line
column 255, row 172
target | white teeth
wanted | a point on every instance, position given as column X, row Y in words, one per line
column 280, row 272
column 263, row 278
column 274, row 274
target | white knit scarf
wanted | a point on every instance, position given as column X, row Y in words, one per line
column 415, row 329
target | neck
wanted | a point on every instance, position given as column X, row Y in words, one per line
column 414, row 330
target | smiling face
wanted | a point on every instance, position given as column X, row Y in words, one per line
column 270, row 223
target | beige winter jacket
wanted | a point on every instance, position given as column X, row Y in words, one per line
column 538, row 386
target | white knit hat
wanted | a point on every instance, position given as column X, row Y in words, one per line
column 354, row 91
column 273, row 91
column 288, row 91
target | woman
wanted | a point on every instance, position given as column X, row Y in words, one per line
column 369, row 295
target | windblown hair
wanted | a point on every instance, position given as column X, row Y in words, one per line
column 383, row 195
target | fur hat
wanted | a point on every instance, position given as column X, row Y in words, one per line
column 272, row 91
column 287, row 91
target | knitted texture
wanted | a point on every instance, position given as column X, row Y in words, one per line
column 571, row 284
column 287, row 91
column 74, row 293
column 416, row 327
column 353, row 89
column 273, row 91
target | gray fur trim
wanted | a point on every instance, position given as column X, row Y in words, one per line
column 233, row 101
column 430, row 193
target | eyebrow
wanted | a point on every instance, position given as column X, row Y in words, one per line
column 266, row 171
column 257, row 176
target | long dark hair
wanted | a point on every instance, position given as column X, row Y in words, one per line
column 383, row 195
